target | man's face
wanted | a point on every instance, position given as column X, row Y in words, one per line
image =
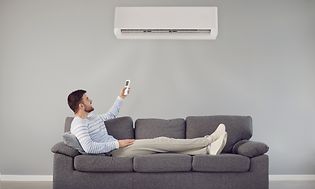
column 87, row 103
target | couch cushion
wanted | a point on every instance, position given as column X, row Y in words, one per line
column 120, row 128
column 101, row 163
column 151, row 128
column 237, row 127
column 72, row 141
column 221, row 163
column 68, row 122
column 162, row 162
column 250, row 148
column 62, row 148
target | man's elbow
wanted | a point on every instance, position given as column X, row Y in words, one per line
column 88, row 149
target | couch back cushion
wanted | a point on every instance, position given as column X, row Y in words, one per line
column 68, row 123
column 237, row 128
column 119, row 128
column 151, row 128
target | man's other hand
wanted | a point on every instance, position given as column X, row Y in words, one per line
column 125, row 142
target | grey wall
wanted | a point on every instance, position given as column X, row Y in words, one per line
column 262, row 64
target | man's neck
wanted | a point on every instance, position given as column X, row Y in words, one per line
column 82, row 114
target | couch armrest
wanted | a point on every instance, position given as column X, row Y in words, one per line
column 250, row 148
column 62, row 148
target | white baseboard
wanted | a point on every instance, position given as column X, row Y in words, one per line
column 26, row 178
column 291, row 177
column 50, row 178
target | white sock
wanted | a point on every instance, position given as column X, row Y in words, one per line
column 217, row 146
column 217, row 133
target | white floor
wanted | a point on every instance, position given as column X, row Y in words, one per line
column 48, row 185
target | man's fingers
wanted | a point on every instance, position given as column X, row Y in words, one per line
column 131, row 141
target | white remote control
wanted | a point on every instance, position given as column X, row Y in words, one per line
column 127, row 86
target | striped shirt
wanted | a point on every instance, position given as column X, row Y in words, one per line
column 92, row 133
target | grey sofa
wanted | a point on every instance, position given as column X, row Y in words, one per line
column 243, row 164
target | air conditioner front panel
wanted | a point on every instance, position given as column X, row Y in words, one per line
column 180, row 22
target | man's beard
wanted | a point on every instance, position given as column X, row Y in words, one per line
column 88, row 110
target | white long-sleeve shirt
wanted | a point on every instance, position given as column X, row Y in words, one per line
column 92, row 133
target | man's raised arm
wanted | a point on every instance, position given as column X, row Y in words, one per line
column 114, row 110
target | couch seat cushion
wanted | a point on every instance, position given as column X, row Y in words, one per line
column 162, row 162
column 102, row 163
column 221, row 163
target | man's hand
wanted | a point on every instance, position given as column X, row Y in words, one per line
column 122, row 92
column 125, row 142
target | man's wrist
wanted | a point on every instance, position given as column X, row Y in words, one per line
column 120, row 98
column 116, row 144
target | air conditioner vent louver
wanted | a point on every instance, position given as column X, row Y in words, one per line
column 165, row 30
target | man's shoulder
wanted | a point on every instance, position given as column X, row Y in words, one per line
column 78, row 122
column 77, row 119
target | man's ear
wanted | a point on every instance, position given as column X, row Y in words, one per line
column 81, row 106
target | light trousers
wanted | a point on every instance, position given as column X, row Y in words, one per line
column 164, row 144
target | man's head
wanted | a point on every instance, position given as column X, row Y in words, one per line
column 79, row 101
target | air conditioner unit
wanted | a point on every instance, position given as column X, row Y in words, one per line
column 166, row 23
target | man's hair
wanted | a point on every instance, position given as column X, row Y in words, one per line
column 74, row 99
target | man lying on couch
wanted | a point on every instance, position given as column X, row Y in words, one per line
column 92, row 135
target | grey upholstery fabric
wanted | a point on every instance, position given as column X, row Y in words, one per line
column 237, row 128
column 259, row 166
column 66, row 177
column 62, row 148
column 100, row 163
column 250, row 148
column 167, row 180
column 221, row 163
column 120, row 128
column 255, row 178
column 162, row 162
column 93, row 176
column 151, row 128
column 72, row 141
column 68, row 123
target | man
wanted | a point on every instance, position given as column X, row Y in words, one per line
column 91, row 132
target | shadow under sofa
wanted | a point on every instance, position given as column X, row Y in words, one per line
column 242, row 164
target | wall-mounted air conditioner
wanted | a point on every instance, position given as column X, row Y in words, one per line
column 166, row 22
